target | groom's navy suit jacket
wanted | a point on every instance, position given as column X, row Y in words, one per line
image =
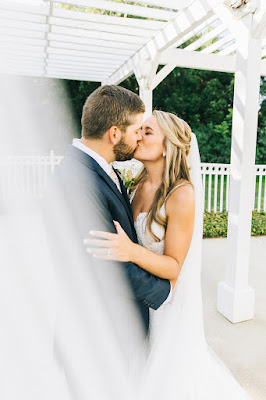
column 89, row 193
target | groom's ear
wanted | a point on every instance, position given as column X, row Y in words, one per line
column 114, row 134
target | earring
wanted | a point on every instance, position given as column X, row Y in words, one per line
column 164, row 154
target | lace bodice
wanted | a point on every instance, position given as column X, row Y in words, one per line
column 144, row 238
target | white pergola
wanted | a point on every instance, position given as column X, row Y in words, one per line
column 40, row 38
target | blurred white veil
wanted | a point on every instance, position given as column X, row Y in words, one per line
column 93, row 326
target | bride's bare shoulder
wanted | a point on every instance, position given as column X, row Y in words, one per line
column 181, row 199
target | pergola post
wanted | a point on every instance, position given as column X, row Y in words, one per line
column 145, row 72
column 235, row 299
column 145, row 94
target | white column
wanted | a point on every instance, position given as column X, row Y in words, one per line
column 145, row 94
column 235, row 299
column 145, row 71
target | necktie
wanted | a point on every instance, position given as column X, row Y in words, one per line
column 114, row 178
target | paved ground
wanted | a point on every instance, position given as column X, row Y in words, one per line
column 241, row 346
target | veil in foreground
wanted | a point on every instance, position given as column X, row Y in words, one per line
column 181, row 365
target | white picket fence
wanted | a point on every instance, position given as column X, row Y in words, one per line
column 28, row 176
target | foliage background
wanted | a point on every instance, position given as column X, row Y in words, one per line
column 203, row 98
column 215, row 224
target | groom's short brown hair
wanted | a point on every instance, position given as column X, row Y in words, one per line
column 108, row 106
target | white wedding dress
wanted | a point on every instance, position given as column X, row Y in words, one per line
column 181, row 366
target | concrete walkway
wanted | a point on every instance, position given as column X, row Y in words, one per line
column 241, row 346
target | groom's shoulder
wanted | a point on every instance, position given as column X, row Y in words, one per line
column 77, row 165
column 76, row 158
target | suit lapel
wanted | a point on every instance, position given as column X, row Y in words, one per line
column 124, row 193
column 92, row 164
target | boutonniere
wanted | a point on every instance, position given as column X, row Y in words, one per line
column 127, row 178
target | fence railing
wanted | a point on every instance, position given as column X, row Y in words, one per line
column 28, row 176
column 215, row 184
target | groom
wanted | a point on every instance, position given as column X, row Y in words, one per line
column 111, row 121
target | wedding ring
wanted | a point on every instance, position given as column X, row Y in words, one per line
column 108, row 252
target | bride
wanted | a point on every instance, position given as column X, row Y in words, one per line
column 168, row 217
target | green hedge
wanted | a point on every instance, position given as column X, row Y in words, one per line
column 215, row 224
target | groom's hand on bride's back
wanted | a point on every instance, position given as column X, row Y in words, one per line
column 111, row 246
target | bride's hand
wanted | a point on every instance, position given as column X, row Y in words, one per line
column 114, row 246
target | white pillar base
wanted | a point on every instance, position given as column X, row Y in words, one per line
column 236, row 305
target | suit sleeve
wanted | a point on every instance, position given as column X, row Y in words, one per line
column 148, row 289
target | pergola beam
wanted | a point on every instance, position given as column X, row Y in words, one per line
column 207, row 37
column 102, row 27
column 40, row 9
column 129, row 9
column 196, row 31
column 22, row 16
column 25, row 33
column 72, row 66
column 27, row 70
column 228, row 50
column 259, row 22
column 82, row 60
column 78, row 72
column 219, row 44
column 260, row 29
column 97, row 43
column 162, row 74
column 191, row 59
column 174, row 4
column 107, row 19
column 27, row 49
column 90, row 49
column 9, row 40
column 74, row 77
column 197, row 60
column 99, row 35
column 27, row 25
column 91, row 56
column 188, row 19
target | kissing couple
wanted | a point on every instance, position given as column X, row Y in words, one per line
column 153, row 234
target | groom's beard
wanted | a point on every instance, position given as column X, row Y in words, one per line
column 123, row 151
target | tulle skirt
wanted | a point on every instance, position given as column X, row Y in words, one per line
column 180, row 364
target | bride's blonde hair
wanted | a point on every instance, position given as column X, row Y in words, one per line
column 177, row 144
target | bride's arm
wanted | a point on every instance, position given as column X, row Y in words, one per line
column 180, row 210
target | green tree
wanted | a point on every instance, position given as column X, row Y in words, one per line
column 78, row 91
column 203, row 99
column 261, row 140
column 198, row 96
